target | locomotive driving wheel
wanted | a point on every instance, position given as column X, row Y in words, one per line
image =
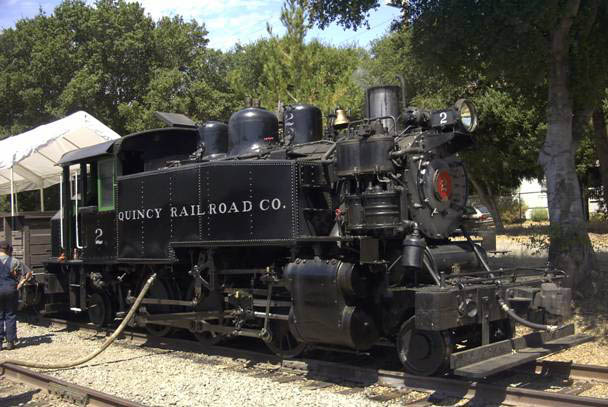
column 206, row 337
column 282, row 342
column 423, row 353
column 161, row 289
column 209, row 337
column 99, row 309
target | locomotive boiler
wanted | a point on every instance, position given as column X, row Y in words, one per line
column 299, row 237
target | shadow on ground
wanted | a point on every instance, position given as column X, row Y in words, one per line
column 18, row 399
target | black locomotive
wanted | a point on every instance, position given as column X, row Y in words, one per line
column 299, row 235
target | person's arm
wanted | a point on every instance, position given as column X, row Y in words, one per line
column 24, row 274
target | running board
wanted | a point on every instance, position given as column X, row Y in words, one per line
column 487, row 360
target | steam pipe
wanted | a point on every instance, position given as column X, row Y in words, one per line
column 477, row 252
column 400, row 153
column 370, row 119
column 329, row 152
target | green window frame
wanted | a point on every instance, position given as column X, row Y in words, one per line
column 106, row 178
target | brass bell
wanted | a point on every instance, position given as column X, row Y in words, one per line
column 341, row 119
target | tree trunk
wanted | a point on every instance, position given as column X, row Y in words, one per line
column 488, row 199
column 570, row 248
column 600, row 139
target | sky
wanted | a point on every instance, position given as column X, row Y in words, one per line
column 228, row 21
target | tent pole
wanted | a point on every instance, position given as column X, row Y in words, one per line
column 41, row 199
column 61, row 209
column 12, row 193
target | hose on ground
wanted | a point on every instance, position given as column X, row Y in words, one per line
column 511, row 313
column 103, row 347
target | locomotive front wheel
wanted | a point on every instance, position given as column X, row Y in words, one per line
column 423, row 353
column 98, row 308
column 283, row 343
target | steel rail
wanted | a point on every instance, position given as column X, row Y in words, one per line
column 541, row 367
column 76, row 393
column 571, row 370
column 476, row 391
column 486, row 393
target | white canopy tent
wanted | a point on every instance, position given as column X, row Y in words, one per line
column 28, row 160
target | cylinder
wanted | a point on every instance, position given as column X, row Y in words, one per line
column 348, row 157
column 383, row 101
column 381, row 209
column 413, row 249
column 302, row 124
column 354, row 213
column 459, row 254
column 250, row 130
column 375, row 154
column 214, row 136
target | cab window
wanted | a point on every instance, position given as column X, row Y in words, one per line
column 105, row 185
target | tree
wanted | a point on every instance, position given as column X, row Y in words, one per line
column 287, row 69
column 200, row 90
column 350, row 14
column 506, row 143
column 556, row 45
column 109, row 59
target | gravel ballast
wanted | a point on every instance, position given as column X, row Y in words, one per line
column 167, row 377
column 161, row 377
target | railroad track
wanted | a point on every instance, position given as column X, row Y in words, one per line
column 482, row 392
column 70, row 392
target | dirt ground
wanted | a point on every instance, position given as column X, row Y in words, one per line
column 526, row 245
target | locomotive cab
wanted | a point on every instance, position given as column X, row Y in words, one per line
column 85, row 239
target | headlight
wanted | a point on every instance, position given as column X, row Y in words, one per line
column 467, row 114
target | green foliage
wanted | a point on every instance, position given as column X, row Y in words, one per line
column 599, row 217
column 30, row 200
column 539, row 215
column 200, row 91
column 511, row 209
column 112, row 60
column 586, row 155
column 289, row 70
column 348, row 13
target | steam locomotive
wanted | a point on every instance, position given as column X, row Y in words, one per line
column 300, row 235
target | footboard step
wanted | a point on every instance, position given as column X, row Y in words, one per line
column 487, row 360
column 498, row 364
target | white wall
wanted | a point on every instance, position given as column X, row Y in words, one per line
column 533, row 194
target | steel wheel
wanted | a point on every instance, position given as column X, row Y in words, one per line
column 501, row 330
column 205, row 337
column 98, row 308
column 209, row 338
column 160, row 289
column 423, row 353
column 283, row 343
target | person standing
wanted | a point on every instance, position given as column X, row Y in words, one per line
column 13, row 274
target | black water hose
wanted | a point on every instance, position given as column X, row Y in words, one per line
column 511, row 313
column 106, row 344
